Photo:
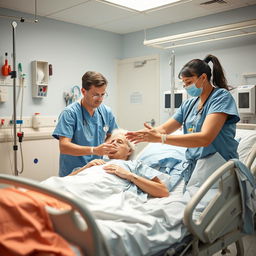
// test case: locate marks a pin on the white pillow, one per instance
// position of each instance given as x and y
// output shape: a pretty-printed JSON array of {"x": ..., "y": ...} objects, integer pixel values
[{"x": 247, "y": 139}]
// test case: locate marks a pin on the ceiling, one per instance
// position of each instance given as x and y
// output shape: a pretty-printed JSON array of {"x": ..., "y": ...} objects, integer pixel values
[{"x": 101, "y": 15}]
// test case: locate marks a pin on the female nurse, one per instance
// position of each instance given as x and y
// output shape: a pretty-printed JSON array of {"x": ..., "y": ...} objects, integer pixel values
[{"x": 208, "y": 118}]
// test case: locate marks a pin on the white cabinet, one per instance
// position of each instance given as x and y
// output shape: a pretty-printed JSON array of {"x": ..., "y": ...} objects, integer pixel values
[{"x": 40, "y": 78}]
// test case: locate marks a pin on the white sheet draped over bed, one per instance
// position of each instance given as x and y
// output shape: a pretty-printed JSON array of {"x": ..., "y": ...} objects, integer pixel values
[
  {"x": 133, "y": 224},
  {"x": 130, "y": 225}
]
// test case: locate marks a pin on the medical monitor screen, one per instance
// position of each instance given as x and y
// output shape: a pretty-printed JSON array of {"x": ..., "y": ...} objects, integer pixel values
[
  {"x": 243, "y": 100},
  {"x": 177, "y": 100}
]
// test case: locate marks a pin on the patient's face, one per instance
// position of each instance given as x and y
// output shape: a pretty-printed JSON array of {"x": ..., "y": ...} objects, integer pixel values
[{"x": 123, "y": 150}]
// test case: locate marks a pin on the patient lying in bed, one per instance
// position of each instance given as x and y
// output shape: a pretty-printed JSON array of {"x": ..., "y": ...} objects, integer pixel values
[
  {"x": 118, "y": 173},
  {"x": 108, "y": 188}
]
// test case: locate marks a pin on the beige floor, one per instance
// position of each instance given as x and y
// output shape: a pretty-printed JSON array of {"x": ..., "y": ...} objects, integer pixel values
[{"x": 249, "y": 247}]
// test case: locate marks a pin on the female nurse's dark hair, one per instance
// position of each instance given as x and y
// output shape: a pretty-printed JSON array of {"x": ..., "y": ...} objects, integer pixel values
[
  {"x": 92, "y": 78},
  {"x": 198, "y": 67}
]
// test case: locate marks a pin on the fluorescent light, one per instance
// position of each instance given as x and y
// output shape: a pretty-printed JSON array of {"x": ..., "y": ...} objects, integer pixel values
[
  {"x": 205, "y": 35},
  {"x": 142, "y": 5}
]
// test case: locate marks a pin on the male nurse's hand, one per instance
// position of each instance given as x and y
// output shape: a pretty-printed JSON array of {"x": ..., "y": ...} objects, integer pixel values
[{"x": 104, "y": 149}]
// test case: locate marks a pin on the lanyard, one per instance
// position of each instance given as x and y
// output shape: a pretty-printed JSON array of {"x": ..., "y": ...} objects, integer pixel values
[
  {"x": 85, "y": 123},
  {"x": 201, "y": 109}
]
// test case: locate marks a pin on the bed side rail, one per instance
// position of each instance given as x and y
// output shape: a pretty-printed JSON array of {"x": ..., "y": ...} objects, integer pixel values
[
  {"x": 227, "y": 202},
  {"x": 250, "y": 161},
  {"x": 88, "y": 237}
]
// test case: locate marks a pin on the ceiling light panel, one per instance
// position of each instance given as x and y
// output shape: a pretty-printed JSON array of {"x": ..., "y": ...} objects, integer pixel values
[{"x": 141, "y": 5}]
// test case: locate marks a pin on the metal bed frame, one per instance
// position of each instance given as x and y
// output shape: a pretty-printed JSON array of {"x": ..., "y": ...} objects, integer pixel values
[
  {"x": 86, "y": 235},
  {"x": 220, "y": 224},
  {"x": 211, "y": 233}
]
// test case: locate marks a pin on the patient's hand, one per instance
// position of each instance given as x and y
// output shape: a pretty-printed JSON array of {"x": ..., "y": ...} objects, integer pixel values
[
  {"x": 118, "y": 171},
  {"x": 88, "y": 165},
  {"x": 93, "y": 163}
]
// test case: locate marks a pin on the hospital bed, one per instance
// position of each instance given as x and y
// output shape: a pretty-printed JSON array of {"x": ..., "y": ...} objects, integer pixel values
[{"x": 209, "y": 230}]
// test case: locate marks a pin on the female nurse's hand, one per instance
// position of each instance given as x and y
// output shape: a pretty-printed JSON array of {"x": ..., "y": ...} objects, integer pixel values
[
  {"x": 104, "y": 149},
  {"x": 118, "y": 171},
  {"x": 149, "y": 134}
]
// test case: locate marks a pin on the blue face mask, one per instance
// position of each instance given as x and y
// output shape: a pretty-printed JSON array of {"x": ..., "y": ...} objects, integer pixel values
[{"x": 193, "y": 91}]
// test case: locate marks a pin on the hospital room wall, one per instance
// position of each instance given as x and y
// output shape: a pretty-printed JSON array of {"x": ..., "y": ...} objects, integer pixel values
[
  {"x": 71, "y": 49},
  {"x": 237, "y": 56}
]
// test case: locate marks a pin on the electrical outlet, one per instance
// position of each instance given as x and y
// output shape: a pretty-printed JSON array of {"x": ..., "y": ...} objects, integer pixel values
[
  {"x": 5, "y": 122},
  {"x": 47, "y": 121},
  {"x": 8, "y": 81},
  {"x": 3, "y": 94},
  {"x": 27, "y": 122}
]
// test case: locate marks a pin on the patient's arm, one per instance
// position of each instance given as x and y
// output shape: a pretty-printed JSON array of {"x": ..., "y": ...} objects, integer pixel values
[
  {"x": 88, "y": 165},
  {"x": 153, "y": 187}
]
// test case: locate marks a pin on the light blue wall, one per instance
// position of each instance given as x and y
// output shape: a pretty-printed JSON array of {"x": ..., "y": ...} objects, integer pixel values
[
  {"x": 73, "y": 49},
  {"x": 237, "y": 56}
]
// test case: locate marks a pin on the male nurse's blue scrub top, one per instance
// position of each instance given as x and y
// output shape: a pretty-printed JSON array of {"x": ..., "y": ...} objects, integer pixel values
[
  {"x": 220, "y": 101},
  {"x": 83, "y": 129}
]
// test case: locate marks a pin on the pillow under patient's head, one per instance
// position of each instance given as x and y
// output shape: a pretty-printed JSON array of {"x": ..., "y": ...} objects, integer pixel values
[{"x": 157, "y": 151}]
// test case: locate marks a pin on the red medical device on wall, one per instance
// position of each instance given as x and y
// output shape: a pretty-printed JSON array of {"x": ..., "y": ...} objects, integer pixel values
[{"x": 6, "y": 69}]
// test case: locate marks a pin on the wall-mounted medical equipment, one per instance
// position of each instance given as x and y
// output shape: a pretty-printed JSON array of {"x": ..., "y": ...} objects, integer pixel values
[
  {"x": 50, "y": 70},
  {"x": 6, "y": 68},
  {"x": 73, "y": 95},
  {"x": 246, "y": 97},
  {"x": 179, "y": 96},
  {"x": 40, "y": 79}
]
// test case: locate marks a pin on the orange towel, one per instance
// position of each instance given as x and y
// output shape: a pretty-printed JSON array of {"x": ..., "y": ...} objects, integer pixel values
[{"x": 25, "y": 227}]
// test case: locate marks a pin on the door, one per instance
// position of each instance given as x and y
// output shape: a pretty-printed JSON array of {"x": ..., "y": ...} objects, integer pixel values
[
  {"x": 138, "y": 92},
  {"x": 138, "y": 88}
]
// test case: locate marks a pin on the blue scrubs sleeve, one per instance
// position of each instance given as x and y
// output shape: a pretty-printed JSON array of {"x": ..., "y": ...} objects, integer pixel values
[
  {"x": 223, "y": 102},
  {"x": 66, "y": 125},
  {"x": 178, "y": 115}
]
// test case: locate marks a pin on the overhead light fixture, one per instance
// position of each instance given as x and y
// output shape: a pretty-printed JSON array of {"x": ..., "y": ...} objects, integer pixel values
[
  {"x": 141, "y": 5},
  {"x": 240, "y": 29}
]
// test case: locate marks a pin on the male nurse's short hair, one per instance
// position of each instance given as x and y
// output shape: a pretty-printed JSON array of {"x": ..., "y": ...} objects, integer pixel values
[{"x": 92, "y": 78}]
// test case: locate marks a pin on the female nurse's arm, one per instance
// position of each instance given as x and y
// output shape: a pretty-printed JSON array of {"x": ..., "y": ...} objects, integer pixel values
[
  {"x": 70, "y": 148},
  {"x": 153, "y": 187},
  {"x": 152, "y": 134},
  {"x": 168, "y": 127},
  {"x": 211, "y": 127}
]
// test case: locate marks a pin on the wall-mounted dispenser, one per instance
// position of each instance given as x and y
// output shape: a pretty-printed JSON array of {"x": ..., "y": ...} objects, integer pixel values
[{"x": 40, "y": 79}]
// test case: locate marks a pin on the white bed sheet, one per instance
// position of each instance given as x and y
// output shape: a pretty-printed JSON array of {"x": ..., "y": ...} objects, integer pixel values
[{"x": 130, "y": 226}]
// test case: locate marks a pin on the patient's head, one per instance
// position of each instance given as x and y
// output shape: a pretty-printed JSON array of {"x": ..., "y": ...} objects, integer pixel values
[{"x": 124, "y": 148}]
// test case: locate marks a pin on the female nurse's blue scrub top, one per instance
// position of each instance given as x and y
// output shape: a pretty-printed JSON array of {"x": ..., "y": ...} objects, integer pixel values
[
  {"x": 220, "y": 101},
  {"x": 83, "y": 129}
]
